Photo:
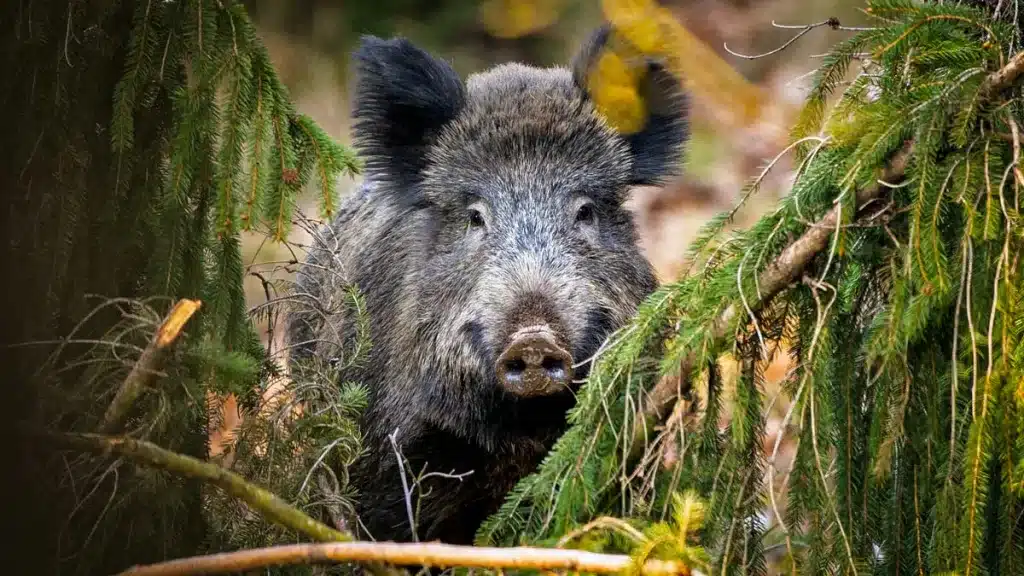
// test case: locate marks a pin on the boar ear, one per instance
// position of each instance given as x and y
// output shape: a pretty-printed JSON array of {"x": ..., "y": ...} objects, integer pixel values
[
  {"x": 657, "y": 142},
  {"x": 403, "y": 98}
]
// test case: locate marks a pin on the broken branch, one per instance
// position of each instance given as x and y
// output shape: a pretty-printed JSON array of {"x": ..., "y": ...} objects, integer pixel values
[
  {"x": 1004, "y": 77},
  {"x": 146, "y": 369}
]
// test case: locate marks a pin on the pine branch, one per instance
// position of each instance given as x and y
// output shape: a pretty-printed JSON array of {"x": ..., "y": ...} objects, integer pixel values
[
  {"x": 789, "y": 265},
  {"x": 447, "y": 555},
  {"x": 781, "y": 272},
  {"x": 147, "y": 368}
]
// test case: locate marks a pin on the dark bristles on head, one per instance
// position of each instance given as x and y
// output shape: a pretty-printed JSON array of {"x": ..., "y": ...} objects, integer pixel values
[{"x": 405, "y": 98}]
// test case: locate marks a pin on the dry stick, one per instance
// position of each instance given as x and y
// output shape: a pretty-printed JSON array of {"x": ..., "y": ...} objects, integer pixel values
[
  {"x": 146, "y": 369},
  {"x": 411, "y": 555}
]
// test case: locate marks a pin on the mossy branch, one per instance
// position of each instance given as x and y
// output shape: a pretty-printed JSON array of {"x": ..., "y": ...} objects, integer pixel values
[
  {"x": 262, "y": 501},
  {"x": 446, "y": 555},
  {"x": 267, "y": 504},
  {"x": 147, "y": 368}
]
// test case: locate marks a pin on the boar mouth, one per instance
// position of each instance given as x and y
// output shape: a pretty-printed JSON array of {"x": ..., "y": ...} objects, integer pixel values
[{"x": 534, "y": 363}]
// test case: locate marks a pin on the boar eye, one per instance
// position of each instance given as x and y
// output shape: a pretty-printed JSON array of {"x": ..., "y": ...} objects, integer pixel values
[
  {"x": 585, "y": 214},
  {"x": 476, "y": 219}
]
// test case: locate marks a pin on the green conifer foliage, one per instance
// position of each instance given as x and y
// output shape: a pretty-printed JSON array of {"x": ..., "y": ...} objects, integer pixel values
[
  {"x": 908, "y": 392},
  {"x": 142, "y": 139}
]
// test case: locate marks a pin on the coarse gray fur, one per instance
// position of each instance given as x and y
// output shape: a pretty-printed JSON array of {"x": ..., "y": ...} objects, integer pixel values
[{"x": 488, "y": 204}]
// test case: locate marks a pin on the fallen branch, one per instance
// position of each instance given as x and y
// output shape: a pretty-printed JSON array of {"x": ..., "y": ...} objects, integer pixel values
[
  {"x": 437, "y": 555},
  {"x": 149, "y": 364},
  {"x": 790, "y": 265}
]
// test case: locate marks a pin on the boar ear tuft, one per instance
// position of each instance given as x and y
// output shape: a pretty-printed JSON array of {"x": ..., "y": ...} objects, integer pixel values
[
  {"x": 641, "y": 99},
  {"x": 403, "y": 98}
]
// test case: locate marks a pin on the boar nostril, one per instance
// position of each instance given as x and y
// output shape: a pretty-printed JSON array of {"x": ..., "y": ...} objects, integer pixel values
[
  {"x": 515, "y": 367},
  {"x": 534, "y": 363},
  {"x": 553, "y": 366}
]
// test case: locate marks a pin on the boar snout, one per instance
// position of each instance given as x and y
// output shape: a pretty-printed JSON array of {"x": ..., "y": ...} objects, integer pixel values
[{"x": 534, "y": 364}]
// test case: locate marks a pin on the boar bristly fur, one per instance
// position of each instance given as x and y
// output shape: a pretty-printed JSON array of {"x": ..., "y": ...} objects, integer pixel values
[{"x": 488, "y": 206}]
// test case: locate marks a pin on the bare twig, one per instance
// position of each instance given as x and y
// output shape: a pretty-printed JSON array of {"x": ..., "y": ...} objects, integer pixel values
[
  {"x": 417, "y": 480},
  {"x": 149, "y": 364},
  {"x": 410, "y": 555},
  {"x": 832, "y": 23},
  {"x": 405, "y": 485}
]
